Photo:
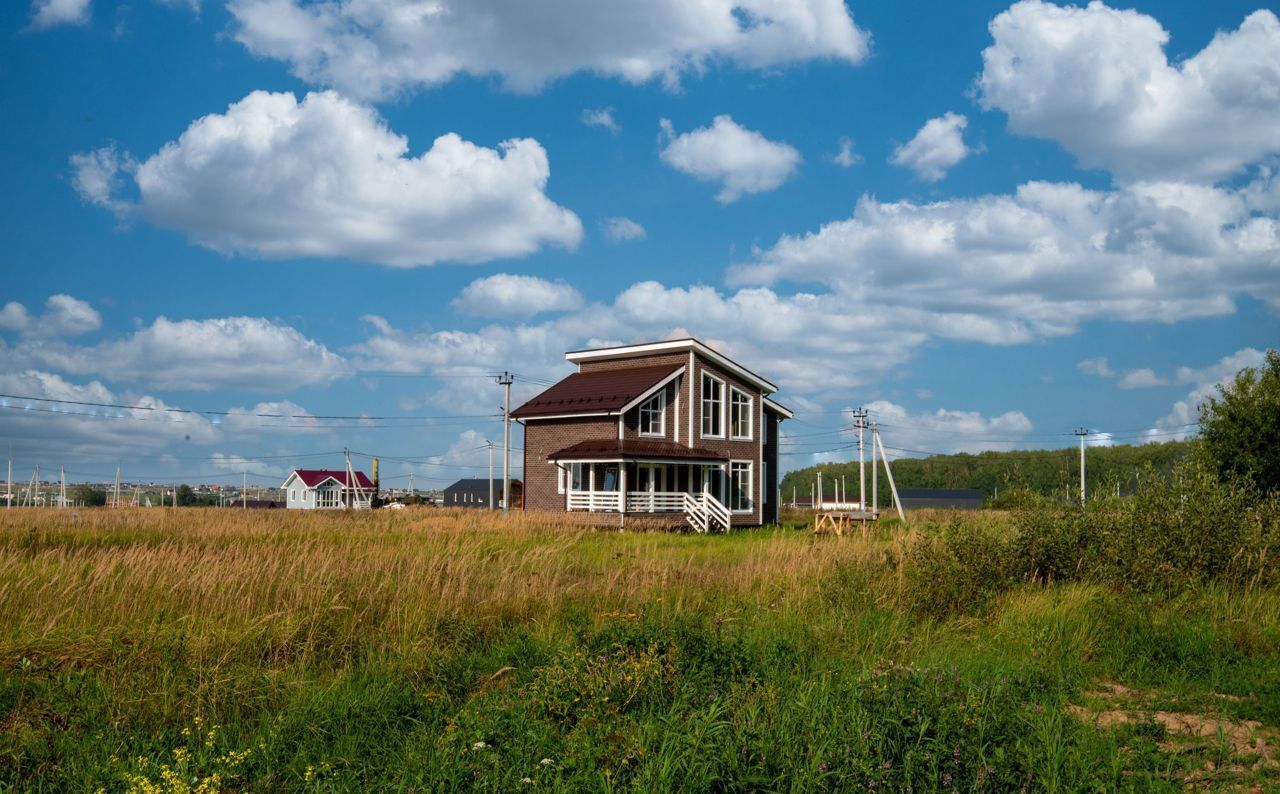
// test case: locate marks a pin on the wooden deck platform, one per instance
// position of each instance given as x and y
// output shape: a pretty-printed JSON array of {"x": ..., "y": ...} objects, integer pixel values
[{"x": 839, "y": 521}]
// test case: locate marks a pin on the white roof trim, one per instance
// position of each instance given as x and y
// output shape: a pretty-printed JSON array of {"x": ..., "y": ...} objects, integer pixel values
[
  {"x": 779, "y": 408},
  {"x": 652, "y": 390},
  {"x": 527, "y": 419},
  {"x": 677, "y": 345}
]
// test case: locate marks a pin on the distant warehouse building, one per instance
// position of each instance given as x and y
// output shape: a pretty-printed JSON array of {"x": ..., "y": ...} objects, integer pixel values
[
  {"x": 475, "y": 493},
  {"x": 940, "y": 498}
]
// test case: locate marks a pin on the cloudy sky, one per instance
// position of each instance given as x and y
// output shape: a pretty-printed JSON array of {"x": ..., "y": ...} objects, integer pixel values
[{"x": 272, "y": 229}]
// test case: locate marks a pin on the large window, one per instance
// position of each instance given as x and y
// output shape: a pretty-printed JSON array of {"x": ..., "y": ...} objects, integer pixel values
[
  {"x": 740, "y": 486},
  {"x": 653, "y": 415},
  {"x": 740, "y": 414},
  {"x": 712, "y": 406}
]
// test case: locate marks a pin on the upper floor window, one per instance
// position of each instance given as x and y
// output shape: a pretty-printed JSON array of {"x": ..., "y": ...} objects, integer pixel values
[
  {"x": 740, "y": 414},
  {"x": 653, "y": 415},
  {"x": 712, "y": 406},
  {"x": 740, "y": 486}
]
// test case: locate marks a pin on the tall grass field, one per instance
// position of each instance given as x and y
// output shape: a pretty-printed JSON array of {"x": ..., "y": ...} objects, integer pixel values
[{"x": 1129, "y": 646}]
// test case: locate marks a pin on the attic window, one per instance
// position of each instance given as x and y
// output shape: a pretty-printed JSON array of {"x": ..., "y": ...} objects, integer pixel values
[{"x": 653, "y": 414}]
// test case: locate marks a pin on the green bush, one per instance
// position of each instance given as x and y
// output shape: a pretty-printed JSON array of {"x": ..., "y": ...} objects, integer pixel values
[
  {"x": 957, "y": 567},
  {"x": 1177, "y": 532}
]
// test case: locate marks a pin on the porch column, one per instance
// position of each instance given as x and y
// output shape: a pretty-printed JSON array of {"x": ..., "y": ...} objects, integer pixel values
[{"x": 622, "y": 483}]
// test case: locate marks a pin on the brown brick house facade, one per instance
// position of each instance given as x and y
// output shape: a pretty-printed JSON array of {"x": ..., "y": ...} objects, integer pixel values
[{"x": 623, "y": 442}]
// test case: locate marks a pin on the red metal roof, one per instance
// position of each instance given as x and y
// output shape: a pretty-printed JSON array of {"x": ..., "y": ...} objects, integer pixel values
[
  {"x": 313, "y": 477},
  {"x": 630, "y": 449},
  {"x": 594, "y": 392}
]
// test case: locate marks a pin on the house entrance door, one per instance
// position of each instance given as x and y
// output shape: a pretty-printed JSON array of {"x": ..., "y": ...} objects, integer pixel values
[{"x": 651, "y": 477}]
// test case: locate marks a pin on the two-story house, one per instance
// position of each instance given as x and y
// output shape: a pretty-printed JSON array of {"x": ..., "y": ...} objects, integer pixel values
[{"x": 659, "y": 434}]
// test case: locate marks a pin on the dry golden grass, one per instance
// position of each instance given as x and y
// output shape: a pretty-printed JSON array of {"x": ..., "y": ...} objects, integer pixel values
[{"x": 286, "y": 584}]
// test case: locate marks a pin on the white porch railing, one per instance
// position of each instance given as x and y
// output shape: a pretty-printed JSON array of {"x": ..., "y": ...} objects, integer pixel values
[
  {"x": 655, "y": 502},
  {"x": 703, "y": 510},
  {"x": 595, "y": 501}
]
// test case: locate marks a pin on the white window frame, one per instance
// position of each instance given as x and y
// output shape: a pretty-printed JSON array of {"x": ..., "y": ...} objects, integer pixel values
[
  {"x": 560, "y": 477},
  {"x": 750, "y": 408},
  {"x": 721, "y": 402},
  {"x": 661, "y": 399},
  {"x": 732, "y": 492}
]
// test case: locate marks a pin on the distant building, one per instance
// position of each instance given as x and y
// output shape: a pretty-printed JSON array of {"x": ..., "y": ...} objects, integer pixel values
[
  {"x": 475, "y": 493},
  {"x": 324, "y": 489},
  {"x": 940, "y": 498}
]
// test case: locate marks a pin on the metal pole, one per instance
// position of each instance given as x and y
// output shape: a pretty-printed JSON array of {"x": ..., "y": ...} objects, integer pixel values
[
  {"x": 62, "y": 488},
  {"x": 244, "y": 491},
  {"x": 875, "y": 439},
  {"x": 875, "y": 477},
  {"x": 505, "y": 379},
  {"x": 8, "y": 488},
  {"x": 862, "y": 472},
  {"x": 1083, "y": 432},
  {"x": 490, "y": 443}
]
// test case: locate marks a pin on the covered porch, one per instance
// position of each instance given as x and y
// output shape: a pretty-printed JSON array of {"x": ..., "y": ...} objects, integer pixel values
[{"x": 639, "y": 479}]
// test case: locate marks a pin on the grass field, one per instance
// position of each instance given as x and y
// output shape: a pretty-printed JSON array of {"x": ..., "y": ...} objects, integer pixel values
[{"x": 421, "y": 650}]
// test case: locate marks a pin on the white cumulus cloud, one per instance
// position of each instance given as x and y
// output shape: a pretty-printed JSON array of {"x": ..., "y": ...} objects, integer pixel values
[
  {"x": 377, "y": 48},
  {"x": 945, "y": 430},
  {"x": 250, "y": 353},
  {"x": 846, "y": 157},
  {"x": 1096, "y": 366},
  {"x": 1098, "y": 81},
  {"x": 508, "y": 295},
  {"x": 49, "y": 431},
  {"x": 1180, "y": 422},
  {"x": 1144, "y": 378},
  {"x": 1010, "y": 268},
  {"x": 619, "y": 229},
  {"x": 937, "y": 147},
  {"x": 742, "y": 161},
  {"x": 51, "y": 13},
  {"x": 63, "y": 316},
  {"x": 601, "y": 117},
  {"x": 279, "y": 178}
]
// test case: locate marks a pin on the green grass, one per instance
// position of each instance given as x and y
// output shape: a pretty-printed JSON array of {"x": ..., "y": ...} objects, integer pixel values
[{"x": 434, "y": 651}]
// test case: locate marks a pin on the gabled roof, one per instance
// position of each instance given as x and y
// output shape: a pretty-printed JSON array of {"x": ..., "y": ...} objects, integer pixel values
[
  {"x": 940, "y": 493},
  {"x": 606, "y": 392},
  {"x": 313, "y": 477},
  {"x": 479, "y": 484},
  {"x": 633, "y": 449},
  {"x": 672, "y": 346},
  {"x": 779, "y": 409}
]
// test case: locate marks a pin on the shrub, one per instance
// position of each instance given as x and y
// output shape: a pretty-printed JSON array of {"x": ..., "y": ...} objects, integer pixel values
[{"x": 957, "y": 566}]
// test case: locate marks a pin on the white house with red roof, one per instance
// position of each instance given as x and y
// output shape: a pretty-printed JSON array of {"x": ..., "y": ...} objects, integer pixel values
[{"x": 327, "y": 489}]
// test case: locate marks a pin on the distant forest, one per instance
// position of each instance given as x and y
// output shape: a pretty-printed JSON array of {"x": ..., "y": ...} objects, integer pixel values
[{"x": 1045, "y": 471}]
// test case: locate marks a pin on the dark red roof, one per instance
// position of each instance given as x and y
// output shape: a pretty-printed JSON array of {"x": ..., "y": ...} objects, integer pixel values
[
  {"x": 313, "y": 477},
  {"x": 594, "y": 392},
  {"x": 612, "y": 448}
]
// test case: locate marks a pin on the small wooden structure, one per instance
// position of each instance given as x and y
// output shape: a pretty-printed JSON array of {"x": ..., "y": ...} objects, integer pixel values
[{"x": 839, "y": 521}]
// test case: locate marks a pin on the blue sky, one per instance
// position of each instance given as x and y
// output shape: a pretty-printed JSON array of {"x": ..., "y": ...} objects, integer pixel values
[{"x": 990, "y": 223}]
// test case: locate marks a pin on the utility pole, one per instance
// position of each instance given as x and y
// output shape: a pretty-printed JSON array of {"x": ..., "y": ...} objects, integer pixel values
[
  {"x": 1083, "y": 432},
  {"x": 505, "y": 380},
  {"x": 860, "y": 422},
  {"x": 62, "y": 489},
  {"x": 875, "y": 477},
  {"x": 244, "y": 491},
  {"x": 490, "y": 445},
  {"x": 875, "y": 439},
  {"x": 8, "y": 486},
  {"x": 115, "y": 494}
]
